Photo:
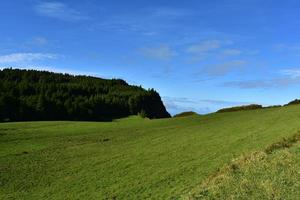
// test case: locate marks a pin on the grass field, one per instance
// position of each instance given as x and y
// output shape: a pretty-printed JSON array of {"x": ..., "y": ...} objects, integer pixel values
[
  {"x": 131, "y": 158},
  {"x": 256, "y": 176}
]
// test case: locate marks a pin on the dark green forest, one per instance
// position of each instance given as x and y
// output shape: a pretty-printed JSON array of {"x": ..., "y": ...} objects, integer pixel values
[{"x": 28, "y": 95}]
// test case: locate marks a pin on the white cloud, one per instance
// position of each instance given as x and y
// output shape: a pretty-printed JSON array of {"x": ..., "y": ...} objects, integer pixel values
[
  {"x": 212, "y": 48},
  {"x": 287, "y": 48},
  {"x": 230, "y": 52},
  {"x": 223, "y": 102},
  {"x": 294, "y": 73},
  {"x": 202, "y": 50},
  {"x": 171, "y": 12},
  {"x": 204, "y": 47},
  {"x": 248, "y": 84},
  {"x": 280, "y": 82},
  {"x": 288, "y": 77},
  {"x": 59, "y": 10},
  {"x": 176, "y": 105},
  {"x": 223, "y": 68},
  {"x": 39, "y": 41},
  {"x": 179, "y": 104},
  {"x": 25, "y": 57},
  {"x": 162, "y": 52}
]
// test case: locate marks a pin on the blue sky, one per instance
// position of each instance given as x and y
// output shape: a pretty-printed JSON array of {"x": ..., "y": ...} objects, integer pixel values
[{"x": 199, "y": 55}]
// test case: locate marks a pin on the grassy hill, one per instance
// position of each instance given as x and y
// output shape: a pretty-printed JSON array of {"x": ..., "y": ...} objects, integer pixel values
[
  {"x": 185, "y": 114},
  {"x": 133, "y": 158},
  {"x": 259, "y": 175}
]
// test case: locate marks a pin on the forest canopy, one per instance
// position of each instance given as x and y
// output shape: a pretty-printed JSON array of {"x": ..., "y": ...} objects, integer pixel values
[{"x": 28, "y": 95}]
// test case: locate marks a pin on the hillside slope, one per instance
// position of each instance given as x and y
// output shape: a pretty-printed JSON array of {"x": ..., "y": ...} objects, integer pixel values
[
  {"x": 259, "y": 175},
  {"x": 131, "y": 159},
  {"x": 185, "y": 114},
  {"x": 39, "y": 95}
]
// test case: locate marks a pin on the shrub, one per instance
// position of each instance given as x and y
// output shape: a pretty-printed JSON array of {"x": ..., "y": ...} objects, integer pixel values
[
  {"x": 274, "y": 106},
  {"x": 142, "y": 114}
]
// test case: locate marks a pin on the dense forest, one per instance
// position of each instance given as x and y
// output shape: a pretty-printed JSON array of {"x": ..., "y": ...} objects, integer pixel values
[{"x": 27, "y": 95}]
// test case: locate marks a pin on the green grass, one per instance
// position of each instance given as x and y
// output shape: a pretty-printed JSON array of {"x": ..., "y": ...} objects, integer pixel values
[
  {"x": 260, "y": 175},
  {"x": 131, "y": 158}
]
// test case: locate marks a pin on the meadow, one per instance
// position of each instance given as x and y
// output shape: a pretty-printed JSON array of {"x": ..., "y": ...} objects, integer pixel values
[
  {"x": 132, "y": 158},
  {"x": 259, "y": 175}
]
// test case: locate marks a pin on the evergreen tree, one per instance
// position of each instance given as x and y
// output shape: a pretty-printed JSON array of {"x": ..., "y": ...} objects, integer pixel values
[{"x": 40, "y": 95}]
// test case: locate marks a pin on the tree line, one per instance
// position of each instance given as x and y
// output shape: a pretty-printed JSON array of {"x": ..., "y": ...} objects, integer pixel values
[{"x": 28, "y": 95}]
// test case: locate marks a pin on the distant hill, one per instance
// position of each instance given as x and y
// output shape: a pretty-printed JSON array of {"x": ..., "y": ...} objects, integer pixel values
[
  {"x": 239, "y": 108},
  {"x": 41, "y": 95},
  {"x": 294, "y": 102},
  {"x": 256, "y": 106},
  {"x": 185, "y": 114}
]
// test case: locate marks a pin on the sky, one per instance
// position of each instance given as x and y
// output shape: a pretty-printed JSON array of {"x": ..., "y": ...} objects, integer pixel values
[{"x": 199, "y": 55}]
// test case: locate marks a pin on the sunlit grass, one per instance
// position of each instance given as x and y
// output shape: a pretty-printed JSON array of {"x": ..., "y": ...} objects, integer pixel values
[
  {"x": 259, "y": 175},
  {"x": 131, "y": 158}
]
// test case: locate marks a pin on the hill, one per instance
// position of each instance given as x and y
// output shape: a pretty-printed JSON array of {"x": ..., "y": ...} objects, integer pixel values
[
  {"x": 269, "y": 174},
  {"x": 240, "y": 108},
  {"x": 185, "y": 114},
  {"x": 39, "y": 95},
  {"x": 135, "y": 158},
  {"x": 294, "y": 102}
]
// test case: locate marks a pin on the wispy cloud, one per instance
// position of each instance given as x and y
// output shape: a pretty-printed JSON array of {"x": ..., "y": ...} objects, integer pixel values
[
  {"x": 126, "y": 24},
  {"x": 222, "y": 68},
  {"x": 38, "y": 41},
  {"x": 25, "y": 57},
  {"x": 146, "y": 22},
  {"x": 293, "y": 73},
  {"x": 170, "y": 12},
  {"x": 180, "y": 99},
  {"x": 223, "y": 102},
  {"x": 287, "y": 48},
  {"x": 290, "y": 77},
  {"x": 250, "y": 84},
  {"x": 203, "y": 47},
  {"x": 263, "y": 84},
  {"x": 162, "y": 52},
  {"x": 180, "y": 104},
  {"x": 230, "y": 52},
  {"x": 59, "y": 11}
]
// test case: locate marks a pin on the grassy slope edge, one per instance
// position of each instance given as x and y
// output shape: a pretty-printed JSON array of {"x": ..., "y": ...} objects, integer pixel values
[
  {"x": 270, "y": 174},
  {"x": 131, "y": 159},
  {"x": 185, "y": 114}
]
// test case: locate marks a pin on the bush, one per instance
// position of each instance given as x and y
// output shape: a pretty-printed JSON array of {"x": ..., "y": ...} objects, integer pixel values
[
  {"x": 274, "y": 106},
  {"x": 142, "y": 114}
]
